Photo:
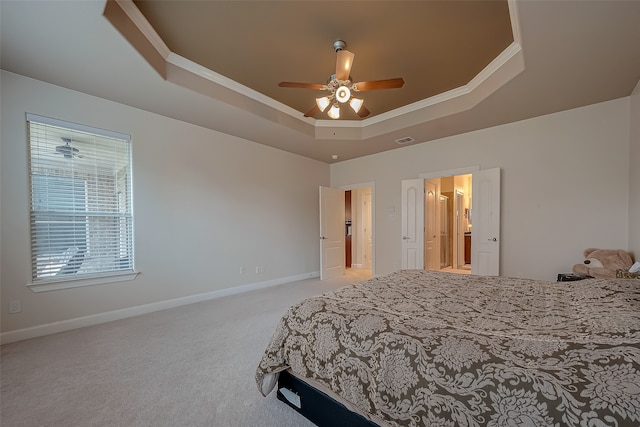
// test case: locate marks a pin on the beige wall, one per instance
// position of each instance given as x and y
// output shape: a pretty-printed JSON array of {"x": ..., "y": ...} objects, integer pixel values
[
  {"x": 634, "y": 175},
  {"x": 205, "y": 204},
  {"x": 565, "y": 185}
]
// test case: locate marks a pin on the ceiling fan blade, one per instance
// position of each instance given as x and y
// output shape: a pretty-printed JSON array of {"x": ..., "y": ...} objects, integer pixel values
[
  {"x": 363, "y": 112},
  {"x": 312, "y": 112},
  {"x": 343, "y": 64},
  {"x": 380, "y": 84},
  {"x": 316, "y": 86}
]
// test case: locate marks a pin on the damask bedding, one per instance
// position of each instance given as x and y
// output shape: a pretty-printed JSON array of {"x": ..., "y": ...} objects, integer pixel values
[{"x": 423, "y": 348}]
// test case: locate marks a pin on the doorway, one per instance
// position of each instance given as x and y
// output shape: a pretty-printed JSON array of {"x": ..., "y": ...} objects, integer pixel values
[
  {"x": 359, "y": 230},
  {"x": 448, "y": 223},
  {"x": 420, "y": 220},
  {"x": 347, "y": 224}
]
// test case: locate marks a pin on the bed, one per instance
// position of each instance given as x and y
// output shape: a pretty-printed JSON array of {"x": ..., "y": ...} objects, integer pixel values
[{"x": 422, "y": 348}]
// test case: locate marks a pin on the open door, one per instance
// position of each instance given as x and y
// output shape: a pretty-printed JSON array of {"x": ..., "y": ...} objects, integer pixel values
[
  {"x": 332, "y": 238},
  {"x": 458, "y": 257},
  {"x": 431, "y": 221},
  {"x": 485, "y": 241},
  {"x": 413, "y": 224},
  {"x": 367, "y": 230}
]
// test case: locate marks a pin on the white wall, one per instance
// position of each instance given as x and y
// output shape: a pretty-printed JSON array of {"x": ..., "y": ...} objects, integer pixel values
[
  {"x": 565, "y": 185},
  {"x": 205, "y": 204},
  {"x": 634, "y": 175}
]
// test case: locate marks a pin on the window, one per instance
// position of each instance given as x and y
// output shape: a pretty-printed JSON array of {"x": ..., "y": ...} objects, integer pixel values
[{"x": 81, "y": 203}]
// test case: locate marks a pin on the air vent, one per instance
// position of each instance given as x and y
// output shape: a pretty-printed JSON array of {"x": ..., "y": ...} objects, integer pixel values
[{"x": 405, "y": 140}]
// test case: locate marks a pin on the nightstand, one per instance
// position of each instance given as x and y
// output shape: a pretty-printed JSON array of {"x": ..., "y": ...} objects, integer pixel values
[{"x": 571, "y": 277}]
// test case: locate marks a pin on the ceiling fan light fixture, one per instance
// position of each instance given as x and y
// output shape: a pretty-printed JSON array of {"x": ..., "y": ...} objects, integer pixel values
[
  {"x": 322, "y": 103},
  {"x": 334, "y": 112},
  {"x": 340, "y": 85},
  {"x": 343, "y": 94},
  {"x": 356, "y": 104}
]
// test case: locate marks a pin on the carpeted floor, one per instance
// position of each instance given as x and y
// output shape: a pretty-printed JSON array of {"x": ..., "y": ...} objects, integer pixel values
[{"x": 188, "y": 366}]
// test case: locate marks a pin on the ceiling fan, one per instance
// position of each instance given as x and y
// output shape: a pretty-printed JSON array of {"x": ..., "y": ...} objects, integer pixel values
[
  {"x": 67, "y": 150},
  {"x": 341, "y": 87}
]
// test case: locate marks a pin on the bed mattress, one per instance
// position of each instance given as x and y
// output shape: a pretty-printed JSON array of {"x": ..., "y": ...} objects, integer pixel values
[{"x": 430, "y": 348}]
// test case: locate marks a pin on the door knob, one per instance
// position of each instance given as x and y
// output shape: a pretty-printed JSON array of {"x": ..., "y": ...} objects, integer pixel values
[
  {"x": 493, "y": 240},
  {"x": 405, "y": 238},
  {"x": 323, "y": 238}
]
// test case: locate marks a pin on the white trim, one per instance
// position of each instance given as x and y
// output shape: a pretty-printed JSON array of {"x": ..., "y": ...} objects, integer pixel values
[
  {"x": 54, "y": 285},
  {"x": 78, "y": 127},
  {"x": 450, "y": 172},
  {"x": 468, "y": 89},
  {"x": 225, "y": 82},
  {"x": 508, "y": 64},
  {"x": 109, "y": 316},
  {"x": 370, "y": 184},
  {"x": 142, "y": 24},
  {"x": 515, "y": 21}
]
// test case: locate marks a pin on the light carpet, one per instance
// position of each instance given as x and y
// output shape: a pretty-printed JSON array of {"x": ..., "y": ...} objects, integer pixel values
[{"x": 187, "y": 366}]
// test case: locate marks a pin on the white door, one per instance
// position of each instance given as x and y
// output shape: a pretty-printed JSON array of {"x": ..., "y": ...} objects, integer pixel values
[
  {"x": 431, "y": 219},
  {"x": 332, "y": 233},
  {"x": 413, "y": 224},
  {"x": 485, "y": 234},
  {"x": 367, "y": 232},
  {"x": 459, "y": 233}
]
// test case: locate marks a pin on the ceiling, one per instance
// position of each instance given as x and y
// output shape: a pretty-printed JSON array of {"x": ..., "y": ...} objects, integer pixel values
[
  {"x": 436, "y": 46},
  {"x": 466, "y": 65}
]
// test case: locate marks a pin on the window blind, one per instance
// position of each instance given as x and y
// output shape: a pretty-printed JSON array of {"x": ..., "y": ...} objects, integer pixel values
[{"x": 81, "y": 215}]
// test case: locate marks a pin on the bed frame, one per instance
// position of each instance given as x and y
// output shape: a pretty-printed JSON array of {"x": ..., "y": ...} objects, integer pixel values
[{"x": 315, "y": 405}]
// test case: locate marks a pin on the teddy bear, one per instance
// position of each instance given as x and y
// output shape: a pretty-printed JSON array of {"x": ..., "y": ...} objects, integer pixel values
[{"x": 603, "y": 263}]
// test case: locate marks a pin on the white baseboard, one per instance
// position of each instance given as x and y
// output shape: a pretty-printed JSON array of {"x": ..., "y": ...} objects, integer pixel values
[{"x": 109, "y": 316}]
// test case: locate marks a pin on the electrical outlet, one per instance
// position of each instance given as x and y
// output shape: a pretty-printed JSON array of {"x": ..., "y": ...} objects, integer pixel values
[
  {"x": 243, "y": 269},
  {"x": 15, "y": 306},
  {"x": 259, "y": 269}
]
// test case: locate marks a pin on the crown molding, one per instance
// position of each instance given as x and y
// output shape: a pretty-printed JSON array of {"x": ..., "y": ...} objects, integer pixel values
[{"x": 128, "y": 19}]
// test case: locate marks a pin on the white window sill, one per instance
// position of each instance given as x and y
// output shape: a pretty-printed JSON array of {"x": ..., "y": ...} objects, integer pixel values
[{"x": 67, "y": 283}]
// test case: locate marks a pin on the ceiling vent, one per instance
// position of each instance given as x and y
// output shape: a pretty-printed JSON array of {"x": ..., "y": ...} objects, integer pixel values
[{"x": 405, "y": 140}]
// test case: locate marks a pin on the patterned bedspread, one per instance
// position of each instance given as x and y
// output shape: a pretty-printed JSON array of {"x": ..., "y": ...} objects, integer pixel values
[{"x": 438, "y": 349}]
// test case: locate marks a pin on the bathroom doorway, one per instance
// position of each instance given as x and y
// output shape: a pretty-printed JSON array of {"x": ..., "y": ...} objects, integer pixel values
[
  {"x": 448, "y": 242},
  {"x": 421, "y": 222}
]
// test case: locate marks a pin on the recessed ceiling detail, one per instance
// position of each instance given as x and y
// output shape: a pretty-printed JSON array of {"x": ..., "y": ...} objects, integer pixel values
[
  {"x": 451, "y": 68},
  {"x": 585, "y": 53}
]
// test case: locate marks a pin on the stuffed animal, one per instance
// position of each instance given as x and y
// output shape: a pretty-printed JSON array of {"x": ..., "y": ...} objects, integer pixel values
[{"x": 603, "y": 263}]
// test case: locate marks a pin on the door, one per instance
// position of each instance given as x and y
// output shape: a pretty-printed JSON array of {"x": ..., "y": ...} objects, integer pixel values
[
  {"x": 332, "y": 238},
  {"x": 445, "y": 235},
  {"x": 412, "y": 224},
  {"x": 367, "y": 231},
  {"x": 431, "y": 219},
  {"x": 485, "y": 240},
  {"x": 459, "y": 232}
]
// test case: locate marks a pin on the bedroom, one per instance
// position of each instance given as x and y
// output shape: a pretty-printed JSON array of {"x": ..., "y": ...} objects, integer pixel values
[{"x": 207, "y": 203}]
